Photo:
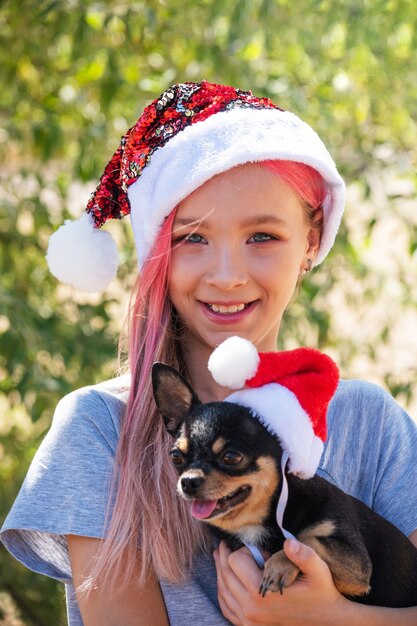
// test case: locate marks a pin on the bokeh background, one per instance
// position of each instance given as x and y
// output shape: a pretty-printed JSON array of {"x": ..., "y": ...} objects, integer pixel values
[{"x": 74, "y": 75}]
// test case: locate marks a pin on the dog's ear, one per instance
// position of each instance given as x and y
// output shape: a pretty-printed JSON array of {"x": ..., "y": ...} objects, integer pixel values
[{"x": 173, "y": 395}]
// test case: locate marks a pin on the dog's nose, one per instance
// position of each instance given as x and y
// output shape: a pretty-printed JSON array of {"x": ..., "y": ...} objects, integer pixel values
[{"x": 191, "y": 484}]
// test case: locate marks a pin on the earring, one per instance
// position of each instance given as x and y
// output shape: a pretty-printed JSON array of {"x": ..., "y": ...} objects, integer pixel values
[{"x": 309, "y": 265}]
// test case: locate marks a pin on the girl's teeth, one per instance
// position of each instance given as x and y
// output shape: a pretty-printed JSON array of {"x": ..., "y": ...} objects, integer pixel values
[{"x": 221, "y": 308}]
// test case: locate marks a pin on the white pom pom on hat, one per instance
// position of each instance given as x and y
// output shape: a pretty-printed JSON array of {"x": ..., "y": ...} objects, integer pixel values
[
  {"x": 289, "y": 392},
  {"x": 193, "y": 132},
  {"x": 83, "y": 256},
  {"x": 233, "y": 362}
]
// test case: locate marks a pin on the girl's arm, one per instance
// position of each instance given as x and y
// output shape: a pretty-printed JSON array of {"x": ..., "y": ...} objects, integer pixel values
[
  {"x": 134, "y": 606},
  {"x": 312, "y": 600}
]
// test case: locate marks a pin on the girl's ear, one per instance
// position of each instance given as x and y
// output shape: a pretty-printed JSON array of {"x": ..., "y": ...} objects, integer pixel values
[
  {"x": 314, "y": 235},
  {"x": 173, "y": 395}
]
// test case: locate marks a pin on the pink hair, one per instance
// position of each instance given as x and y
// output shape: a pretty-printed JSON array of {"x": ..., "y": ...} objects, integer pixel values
[
  {"x": 149, "y": 520},
  {"x": 305, "y": 180},
  {"x": 150, "y": 524}
]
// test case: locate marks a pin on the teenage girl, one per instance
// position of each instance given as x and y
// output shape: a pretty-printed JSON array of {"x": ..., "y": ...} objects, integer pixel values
[{"x": 232, "y": 200}]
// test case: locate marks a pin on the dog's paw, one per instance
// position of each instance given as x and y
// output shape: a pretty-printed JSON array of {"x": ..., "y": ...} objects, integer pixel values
[{"x": 279, "y": 572}]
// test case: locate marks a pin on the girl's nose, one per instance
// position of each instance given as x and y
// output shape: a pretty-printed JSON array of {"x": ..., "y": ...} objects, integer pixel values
[{"x": 227, "y": 271}]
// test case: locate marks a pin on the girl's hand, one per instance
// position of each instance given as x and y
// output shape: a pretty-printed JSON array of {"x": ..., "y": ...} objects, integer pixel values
[{"x": 312, "y": 600}]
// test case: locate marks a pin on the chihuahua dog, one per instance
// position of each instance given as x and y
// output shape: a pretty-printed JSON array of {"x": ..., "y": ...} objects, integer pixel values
[{"x": 229, "y": 470}]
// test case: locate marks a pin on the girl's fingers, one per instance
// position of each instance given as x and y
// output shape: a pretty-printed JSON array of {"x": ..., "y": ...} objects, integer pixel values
[
  {"x": 228, "y": 604},
  {"x": 238, "y": 579},
  {"x": 244, "y": 569},
  {"x": 307, "y": 560}
]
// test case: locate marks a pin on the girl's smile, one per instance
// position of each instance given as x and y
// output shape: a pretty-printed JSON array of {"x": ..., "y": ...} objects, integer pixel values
[
  {"x": 227, "y": 312},
  {"x": 240, "y": 242}
]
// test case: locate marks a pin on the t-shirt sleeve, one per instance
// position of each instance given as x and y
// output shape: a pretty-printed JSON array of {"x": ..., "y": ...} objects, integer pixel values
[
  {"x": 371, "y": 452},
  {"x": 66, "y": 490}
]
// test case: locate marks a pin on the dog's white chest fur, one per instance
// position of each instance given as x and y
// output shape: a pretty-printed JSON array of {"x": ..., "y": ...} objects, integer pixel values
[{"x": 254, "y": 535}]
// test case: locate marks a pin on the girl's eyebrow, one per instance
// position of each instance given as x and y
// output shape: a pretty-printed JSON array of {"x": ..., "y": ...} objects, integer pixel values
[
  {"x": 255, "y": 220},
  {"x": 187, "y": 221},
  {"x": 263, "y": 218},
  {"x": 192, "y": 221}
]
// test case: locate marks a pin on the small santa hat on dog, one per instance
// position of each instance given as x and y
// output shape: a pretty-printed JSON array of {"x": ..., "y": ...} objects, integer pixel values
[
  {"x": 289, "y": 392},
  {"x": 192, "y": 132}
]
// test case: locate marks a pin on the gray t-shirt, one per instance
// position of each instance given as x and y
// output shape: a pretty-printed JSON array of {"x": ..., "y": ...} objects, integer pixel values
[{"x": 370, "y": 453}]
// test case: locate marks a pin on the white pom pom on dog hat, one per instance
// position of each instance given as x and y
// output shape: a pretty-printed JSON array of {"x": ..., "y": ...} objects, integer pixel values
[
  {"x": 192, "y": 132},
  {"x": 234, "y": 362},
  {"x": 288, "y": 391}
]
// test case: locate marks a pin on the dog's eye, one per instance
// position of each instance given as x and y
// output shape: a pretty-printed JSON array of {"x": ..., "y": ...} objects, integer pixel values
[
  {"x": 176, "y": 457},
  {"x": 232, "y": 458}
]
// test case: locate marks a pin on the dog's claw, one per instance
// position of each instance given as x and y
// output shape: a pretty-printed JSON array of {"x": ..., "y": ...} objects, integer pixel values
[
  {"x": 279, "y": 573},
  {"x": 264, "y": 588}
]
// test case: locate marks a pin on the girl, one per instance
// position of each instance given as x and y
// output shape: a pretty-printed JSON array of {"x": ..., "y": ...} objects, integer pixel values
[{"x": 232, "y": 200}]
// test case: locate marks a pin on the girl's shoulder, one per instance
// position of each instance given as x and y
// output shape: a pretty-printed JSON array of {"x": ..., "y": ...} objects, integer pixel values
[
  {"x": 365, "y": 405},
  {"x": 112, "y": 390},
  {"x": 359, "y": 391},
  {"x": 102, "y": 404},
  {"x": 363, "y": 414}
]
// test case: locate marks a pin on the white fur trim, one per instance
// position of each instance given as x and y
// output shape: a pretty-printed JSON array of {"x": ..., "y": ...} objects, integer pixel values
[
  {"x": 279, "y": 410},
  {"x": 217, "y": 144},
  {"x": 233, "y": 362},
  {"x": 83, "y": 256}
]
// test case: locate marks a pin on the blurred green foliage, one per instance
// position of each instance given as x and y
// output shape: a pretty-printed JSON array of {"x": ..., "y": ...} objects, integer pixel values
[{"x": 75, "y": 74}]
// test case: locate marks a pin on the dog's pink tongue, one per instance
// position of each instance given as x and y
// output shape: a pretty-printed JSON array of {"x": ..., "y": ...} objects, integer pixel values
[{"x": 200, "y": 509}]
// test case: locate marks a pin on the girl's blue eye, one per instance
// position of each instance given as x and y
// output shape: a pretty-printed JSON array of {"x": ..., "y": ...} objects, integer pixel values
[
  {"x": 260, "y": 237},
  {"x": 194, "y": 238},
  {"x": 190, "y": 238}
]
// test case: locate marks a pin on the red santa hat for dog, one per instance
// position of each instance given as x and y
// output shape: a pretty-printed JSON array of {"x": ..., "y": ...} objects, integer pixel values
[{"x": 289, "y": 392}]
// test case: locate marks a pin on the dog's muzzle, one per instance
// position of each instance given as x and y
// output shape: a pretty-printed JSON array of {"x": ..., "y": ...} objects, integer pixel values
[{"x": 191, "y": 483}]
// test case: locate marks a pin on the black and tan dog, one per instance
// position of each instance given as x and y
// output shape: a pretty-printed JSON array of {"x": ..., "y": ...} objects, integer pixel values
[{"x": 229, "y": 470}]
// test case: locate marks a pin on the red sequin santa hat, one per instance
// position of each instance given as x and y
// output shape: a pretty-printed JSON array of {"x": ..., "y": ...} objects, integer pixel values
[
  {"x": 188, "y": 135},
  {"x": 289, "y": 392}
]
